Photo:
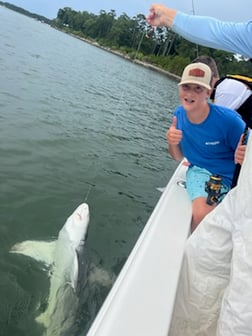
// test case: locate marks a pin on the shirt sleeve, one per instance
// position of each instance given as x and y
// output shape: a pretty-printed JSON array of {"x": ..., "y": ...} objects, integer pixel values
[{"x": 213, "y": 33}]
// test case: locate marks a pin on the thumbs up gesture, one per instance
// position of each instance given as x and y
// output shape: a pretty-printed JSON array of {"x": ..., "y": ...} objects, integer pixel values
[
  {"x": 240, "y": 151},
  {"x": 174, "y": 135}
]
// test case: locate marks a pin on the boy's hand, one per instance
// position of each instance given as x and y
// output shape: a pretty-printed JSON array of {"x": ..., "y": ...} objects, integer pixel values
[{"x": 174, "y": 135}]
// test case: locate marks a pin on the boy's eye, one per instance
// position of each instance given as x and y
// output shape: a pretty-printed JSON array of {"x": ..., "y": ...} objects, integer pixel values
[
  {"x": 198, "y": 89},
  {"x": 194, "y": 88},
  {"x": 185, "y": 87}
]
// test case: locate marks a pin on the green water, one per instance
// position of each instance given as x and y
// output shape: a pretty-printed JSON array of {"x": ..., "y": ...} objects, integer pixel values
[{"x": 76, "y": 124}]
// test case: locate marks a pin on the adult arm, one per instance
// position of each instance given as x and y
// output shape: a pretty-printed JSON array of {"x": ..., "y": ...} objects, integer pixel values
[
  {"x": 207, "y": 31},
  {"x": 213, "y": 33}
]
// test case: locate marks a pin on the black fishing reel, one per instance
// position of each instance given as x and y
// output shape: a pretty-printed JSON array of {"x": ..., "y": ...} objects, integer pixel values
[{"x": 213, "y": 188}]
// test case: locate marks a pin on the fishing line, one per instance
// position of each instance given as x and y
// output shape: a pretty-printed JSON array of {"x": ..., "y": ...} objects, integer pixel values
[
  {"x": 116, "y": 111},
  {"x": 92, "y": 185},
  {"x": 122, "y": 97},
  {"x": 112, "y": 124}
]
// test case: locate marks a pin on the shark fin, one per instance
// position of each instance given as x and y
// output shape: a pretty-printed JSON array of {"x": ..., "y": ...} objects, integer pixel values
[{"x": 39, "y": 250}]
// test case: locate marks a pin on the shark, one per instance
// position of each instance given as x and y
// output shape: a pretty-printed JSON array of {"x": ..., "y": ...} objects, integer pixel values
[{"x": 61, "y": 257}]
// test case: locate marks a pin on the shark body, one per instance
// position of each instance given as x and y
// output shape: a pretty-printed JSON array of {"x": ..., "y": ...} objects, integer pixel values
[{"x": 61, "y": 256}]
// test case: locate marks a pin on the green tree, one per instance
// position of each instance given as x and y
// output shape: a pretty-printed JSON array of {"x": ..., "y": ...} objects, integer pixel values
[{"x": 134, "y": 36}]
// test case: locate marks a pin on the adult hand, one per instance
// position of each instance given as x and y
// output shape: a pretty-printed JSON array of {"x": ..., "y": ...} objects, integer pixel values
[
  {"x": 160, "y": 16},
  {"x": 174, "y": 135},
  {"x": 240, "y": 151}
]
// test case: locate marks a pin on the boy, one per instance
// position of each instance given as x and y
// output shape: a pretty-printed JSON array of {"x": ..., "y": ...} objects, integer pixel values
[{"x": 206, "y": 134}]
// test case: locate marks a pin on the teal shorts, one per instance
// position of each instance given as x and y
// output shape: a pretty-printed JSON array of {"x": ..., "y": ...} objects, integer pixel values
[{"x": 196, "y": 179}]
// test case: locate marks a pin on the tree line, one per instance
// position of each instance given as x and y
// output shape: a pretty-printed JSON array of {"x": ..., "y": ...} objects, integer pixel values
[
  {"x": 135, "y": 38},
  {"x": 25, "y": 12}
]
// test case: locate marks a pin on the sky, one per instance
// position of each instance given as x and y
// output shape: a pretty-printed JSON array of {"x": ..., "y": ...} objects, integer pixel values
[{"x": 221, "y": 9}]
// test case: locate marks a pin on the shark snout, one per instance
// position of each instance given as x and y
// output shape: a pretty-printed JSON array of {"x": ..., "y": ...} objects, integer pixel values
[
  {"x": 82, "y": 212},
  {"x": 76, "y": 226}
]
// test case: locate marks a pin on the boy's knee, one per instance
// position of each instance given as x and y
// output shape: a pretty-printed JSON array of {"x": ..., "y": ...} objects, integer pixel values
[{"x": 199, "y": 210}]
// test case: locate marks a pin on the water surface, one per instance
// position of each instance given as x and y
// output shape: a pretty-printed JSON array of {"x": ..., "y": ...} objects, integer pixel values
[{"x": 76, "y": 124}]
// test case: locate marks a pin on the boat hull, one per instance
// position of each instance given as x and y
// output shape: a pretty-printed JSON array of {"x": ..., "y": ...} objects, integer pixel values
[{"x": 142, "y": 298}]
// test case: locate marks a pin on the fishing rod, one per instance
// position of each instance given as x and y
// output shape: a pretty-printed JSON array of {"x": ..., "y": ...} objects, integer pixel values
[{"x": 197, "y": 46}]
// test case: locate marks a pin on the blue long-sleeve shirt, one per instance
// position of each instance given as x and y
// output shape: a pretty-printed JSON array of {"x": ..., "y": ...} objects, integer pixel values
[{"x": 213, "y": 33}]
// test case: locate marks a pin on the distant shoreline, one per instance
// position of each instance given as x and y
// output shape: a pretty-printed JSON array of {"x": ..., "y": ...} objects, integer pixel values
[{"x": 145, "y": 64}]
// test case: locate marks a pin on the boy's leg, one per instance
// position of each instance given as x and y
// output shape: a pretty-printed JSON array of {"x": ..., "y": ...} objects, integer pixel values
[
  {"x": 200, "y": 209},
  {"x": 196, "y": 179}
]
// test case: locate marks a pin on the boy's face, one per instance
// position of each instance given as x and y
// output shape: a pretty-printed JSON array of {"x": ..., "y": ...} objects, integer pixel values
[{"x": 193, "y": 97}]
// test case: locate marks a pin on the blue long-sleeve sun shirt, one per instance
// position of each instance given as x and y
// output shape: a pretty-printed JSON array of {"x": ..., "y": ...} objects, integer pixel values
[{"x": 213, "y": 33}]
